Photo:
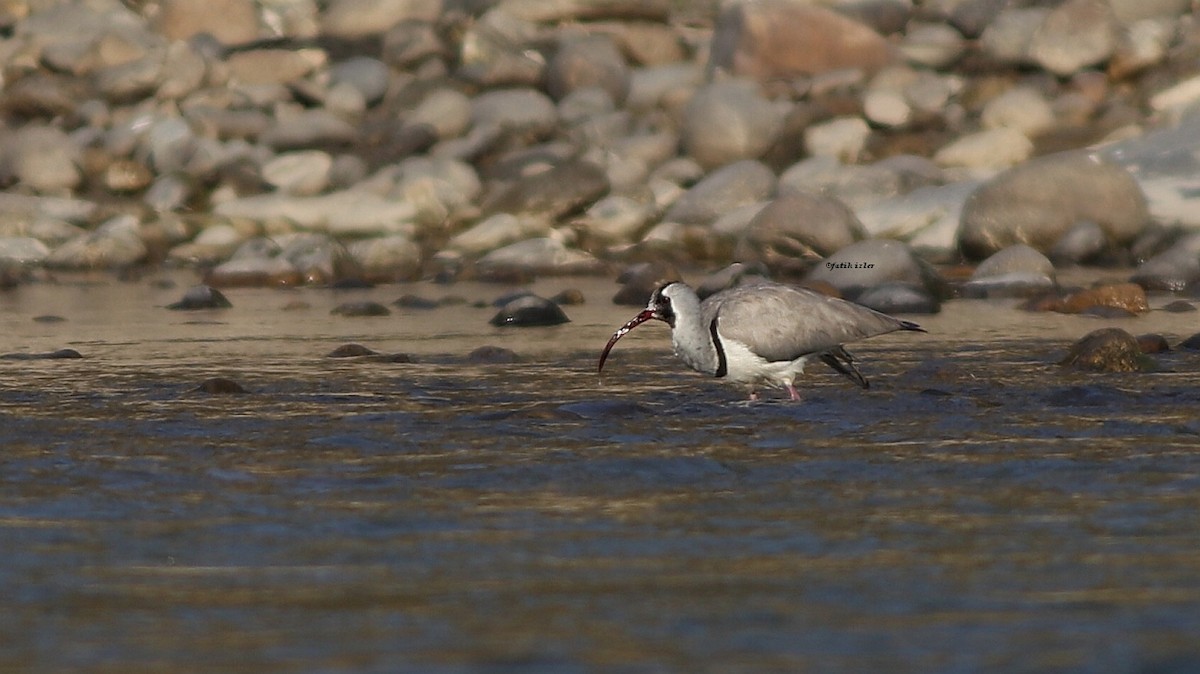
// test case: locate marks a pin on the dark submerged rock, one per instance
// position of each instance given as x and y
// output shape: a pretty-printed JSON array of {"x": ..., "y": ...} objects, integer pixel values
[
  {"x": 639, "y": 281},
  {"x": 219, "y": 385},
  {"x": 410, "y": 301},
  {"x": 1153, "y": 343},
  {"x": 492, "y": 354},
  {"x": 357, "y": 309},
  {"x": 351, "y": 351},
  {"x": 529, "y": 311},
  {"x": 1191, "y": 343},
  {"x": 1179, "y": 307},
  {"x": 568, "y": 297},
  {"x": 201, "y": 297},
  {"x": 61, "y": 354},
  {"x": 1108, "y": 350},
  {"x": 900, "y": 298}
]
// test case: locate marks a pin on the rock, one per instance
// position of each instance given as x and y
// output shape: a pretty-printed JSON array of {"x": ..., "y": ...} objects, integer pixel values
[
  {"x": 410, "y": 301},
  {"x": 616, "y": 219},
  {"x": 387, "y": 259},
  {"x": 537, "y": 256},
  {"x": 1142, "y": 45},
  {"x": 43, "y": 158},
  {"x": 1008, "y": 34},
  {"x": 550, "y": 195},
  {"x": 446, "y": 111},
  {"x": 40, "y": 94},
  {"x": 733, "y": 275},
  {"x": 1127, "y": 297},
  {"x": 1108, "y": 350},
  {"x": 1015, "y": 271},
  {"x": 201, "y": 297},
  {"x": 113, "y": 245},
  {"x": 1084, "y": 241},
  {"x": 529, "y": 311},
  {"x": 729, "y": 121},
  {"x": 524, "y": 111},
  {"x": 1021, "y": 108},
  {"x": 552, "y": 11},
  {"x": 219, "y": 386},
  {"x": 351, "y": 351},
  {"x": 1153, "y": 343},
  {"x": 368, "y": 76},
  {"x": 353, "y": 19},
  {"x": 256, "y": 262},
  {"x": 496, "y": 231},
  {"x": 639, "y": 281},
  {"x": 22, "y": 250},
  {"x": 592, "y": 61},
  {"x": 899, "y": 298},
  {"x": 229, "y": 22},
  {"x": 776, "y": 39},
  {"x": 360, "y": 309},
  {"x": 991, "y": 149},
  {"x": 300, "y": 173},
  {"x": 1074, "y": 35},
  {"x": 795, "y": 230},
  {"x": 867, "y": 264},
  {"x": 61, "y": 354},
  {"x": 1191, "y": 343},
  {"x": 843, "y": 138},
  {"x": 302, "y": 129},
  {"x": 492, "y": 354},
  {"x": 1178, "y": 307},
  {"x": 499, "y": 50},
  {"x": 926, "y": 218},
  {"x": 1172, "y": 269},
  {"x": 408, "y": 43},
  {"x": 933, "y": 45},
  {"x": 568, "y": 297},
  {"x": 738, "y": 184},
  {"x": 353, "y": 212},
  {"x": 320, "y": 259},
  {"x": 1039, "y": 201}
]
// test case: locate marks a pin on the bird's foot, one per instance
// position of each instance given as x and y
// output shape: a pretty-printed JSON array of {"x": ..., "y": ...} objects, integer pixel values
[
  {"x": 793, "y": 393},
  {"x": 754, "y": 396}
]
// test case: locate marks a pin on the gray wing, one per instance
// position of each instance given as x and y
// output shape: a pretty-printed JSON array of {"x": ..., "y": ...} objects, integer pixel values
[{"x": 780, "y": 322}]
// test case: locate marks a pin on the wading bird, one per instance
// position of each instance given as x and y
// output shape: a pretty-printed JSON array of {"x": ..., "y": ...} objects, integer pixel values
[{"x": 761, "y": 334}]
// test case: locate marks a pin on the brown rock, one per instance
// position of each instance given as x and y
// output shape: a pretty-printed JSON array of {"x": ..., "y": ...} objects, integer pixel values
[
  {"x": 779, "y": 39},
  {"x": 1153, "y": 343},
  {"x": 231, "y": 22},
  {"x": 1127, "y": 296},
  {"x": 1108, "y": 350}
]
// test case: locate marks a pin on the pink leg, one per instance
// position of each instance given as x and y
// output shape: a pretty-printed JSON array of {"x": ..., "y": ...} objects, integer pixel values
[
  {"x": 754, "y": 395},
  {"x": 792, "y": 392}
]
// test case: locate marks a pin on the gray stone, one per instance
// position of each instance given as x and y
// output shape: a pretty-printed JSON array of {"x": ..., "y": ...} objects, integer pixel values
[
  {"x": 793, "y": 231},
  {"x": 113, "y": 245},
  {"x": 1037, "y": 202},
  {"x": 900, "y": 298},
  {"x": 538, "y": 256},
  {"x": 367, "y": 75},
  {"x": 351, "y": 19},
  {"x": 446, "y": 111},
  {"x": 300, "y": 173},
  {"x": 497, "y": 231},
  {"x": 409, "y": 42},
  {"x": 560, "y": 191},
  {"x": 300, "y": 129},
  {"x": 201, "y": 297},
  {"x": 990, "y": 149},
  {"x": 43, "y": 158},
  {"x": 526, "y": 111},
  {"x": 616, "y": 219},
  {"x": 729, "y": 121},
  {"x": 496, "y": 51},
  {"x": 867, "y": 264},
  {"x": 1020, "y": 108},
  {"x": 738, "y": 184},
  {"x": 529, "y": 311},
  {"x": 387, "y": 259},
  {"x": 587, "y": 62},
  {"x": 1008, "y": 36},
  {"x": 230, "y": 22},
  {"x": 22, "y": 250},
  {"x": 354, "y": 212},
  {"x": 1016, "y": 271},
  {"x": 843, "y": 138},
  {"x": 1081, "y": 243},
  {"x": 551, "y": 11},
  {"x": 1173, "y": 269},
  {"x": 1074, "y": 35},
  {"x": 933, "y": 45}
]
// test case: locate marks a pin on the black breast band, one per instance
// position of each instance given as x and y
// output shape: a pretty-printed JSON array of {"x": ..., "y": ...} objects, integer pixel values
[{"x": 722, "y": 366}]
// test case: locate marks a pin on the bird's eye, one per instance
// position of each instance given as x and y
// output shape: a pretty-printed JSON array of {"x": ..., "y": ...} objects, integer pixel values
[{"x": 662, "y": 307}]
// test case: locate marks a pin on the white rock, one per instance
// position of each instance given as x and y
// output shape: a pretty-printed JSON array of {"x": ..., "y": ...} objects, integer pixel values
[
  {"x": 301, "y": 173},
  {"x": 1019, "y": 108},
  {"x": 843, "y": 138},
  {"x": 990, "y": 149},
  {"x": 496, "y": 231}
]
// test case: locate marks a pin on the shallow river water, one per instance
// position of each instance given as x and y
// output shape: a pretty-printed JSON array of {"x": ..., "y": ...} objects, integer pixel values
[{"x": 977, "y": 510}]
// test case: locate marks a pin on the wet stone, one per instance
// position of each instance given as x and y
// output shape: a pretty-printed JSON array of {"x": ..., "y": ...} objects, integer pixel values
[
  {"x": 360, "y": 309},
  {"x": 1179, "y": 307},
  {"x": 900, "y": 298},
  {"x": 219, "y": 386},
  {"x": 1108, "y": 350},
  {"x": 1191, "y": 343},
  {"x": 201, "y": 297},
  {"x": 639, "y": 281},
  {"x": 1153, "y": 343},
  {"x": 351, "y": 351},
  {"x": 1127, "y": 297},
  {"x": 568, "y": 297},
  {"x": 492, "y": 354},
  {"x": 410, "y": 301},
  {"x": 49, "y": 318},
  {"x": 529, "y": 311},
  {"x": 61, "y": 354}
]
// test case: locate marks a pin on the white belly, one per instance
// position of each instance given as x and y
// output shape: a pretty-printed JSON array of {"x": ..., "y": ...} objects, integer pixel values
[{"x": 743, "y": 366}]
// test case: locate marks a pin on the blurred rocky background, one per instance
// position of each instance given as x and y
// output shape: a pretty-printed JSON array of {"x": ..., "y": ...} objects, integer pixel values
[{"x": 940, "y": 147}]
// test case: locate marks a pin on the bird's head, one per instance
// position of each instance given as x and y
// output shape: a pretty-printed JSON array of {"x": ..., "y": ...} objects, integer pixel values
[{"x": 661, "y": 307}]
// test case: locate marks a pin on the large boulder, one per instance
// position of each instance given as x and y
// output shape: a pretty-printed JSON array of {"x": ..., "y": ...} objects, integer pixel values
[{"x": 1036, "y": 203}]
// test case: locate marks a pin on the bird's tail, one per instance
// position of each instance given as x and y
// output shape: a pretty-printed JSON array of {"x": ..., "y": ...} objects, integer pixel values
[{"x": 841, "y": 360}]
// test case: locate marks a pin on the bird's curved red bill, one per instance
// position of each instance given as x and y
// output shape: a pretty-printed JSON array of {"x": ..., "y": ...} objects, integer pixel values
[{"x": 621, "y": 332}]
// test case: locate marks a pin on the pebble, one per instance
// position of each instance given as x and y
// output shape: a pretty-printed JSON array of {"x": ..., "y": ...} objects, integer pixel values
[
  {"x": 360, "y": 309},
  {"x": 792, "y": 231},
  {"x": 219, "y": 386},
  {"x": 737, "y": 184},
  {"x": 489, "y": 354},
  {"x": 866, "y": 264},
  {"x": 728, "y": 121}
]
